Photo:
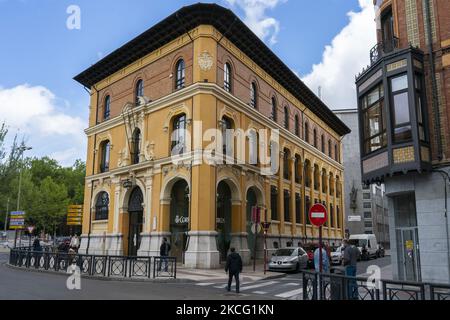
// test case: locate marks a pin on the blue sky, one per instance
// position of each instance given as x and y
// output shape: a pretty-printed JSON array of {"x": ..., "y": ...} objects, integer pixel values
[{"x": 39, "y": 55}]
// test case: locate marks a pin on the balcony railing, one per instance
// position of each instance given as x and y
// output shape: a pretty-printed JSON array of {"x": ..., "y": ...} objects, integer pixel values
[{"x": 383, "y": 48}]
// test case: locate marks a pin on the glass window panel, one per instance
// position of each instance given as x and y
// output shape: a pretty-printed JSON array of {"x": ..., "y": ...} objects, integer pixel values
[
  {"x": 421, "y": 133},
  {"x": 419, "y": 109},
  {"x": 373, "y": 96},
  {"x": 402, "y": 134},
  {"x": 399, "y": 83},
  {"x": 401, "y": 108}
]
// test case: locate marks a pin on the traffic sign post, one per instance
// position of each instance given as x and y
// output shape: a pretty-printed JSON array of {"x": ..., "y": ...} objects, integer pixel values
[
  {"x": 318, "y": 216},
  {"x": 256, "y": 220},
  {"x": 16, "y": 222},
  {"x": 266, "y": 227}
]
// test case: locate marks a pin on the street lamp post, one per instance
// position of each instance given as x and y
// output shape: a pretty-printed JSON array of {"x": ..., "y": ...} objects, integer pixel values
[{"x": 22, "y": 149}]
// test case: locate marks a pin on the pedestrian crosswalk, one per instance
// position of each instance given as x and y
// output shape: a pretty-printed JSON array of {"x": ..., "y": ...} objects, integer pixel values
[{"x": 275, "y": 288}]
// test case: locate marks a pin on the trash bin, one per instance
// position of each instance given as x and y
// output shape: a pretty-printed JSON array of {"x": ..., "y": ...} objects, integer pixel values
[{"x": 337, "y": 283}]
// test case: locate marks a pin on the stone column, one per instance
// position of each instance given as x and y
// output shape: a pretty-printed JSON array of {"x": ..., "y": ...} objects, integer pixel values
[
  {"x": 281, "y": 194},
  {"x": 144, "y": 249},
  {"x": 239, "y": 235},
  {"x": 115, "y": 243},
  {"x": 293, "y": 204}
]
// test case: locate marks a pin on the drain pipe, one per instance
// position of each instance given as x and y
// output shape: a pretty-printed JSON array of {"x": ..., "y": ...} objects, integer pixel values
[
  {"x": 446, "y": 176},
  {"x": 437, "y": 120}
]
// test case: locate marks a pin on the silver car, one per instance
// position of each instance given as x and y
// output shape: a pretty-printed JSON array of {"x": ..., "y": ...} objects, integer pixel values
[{"x": 289, "y": 259}]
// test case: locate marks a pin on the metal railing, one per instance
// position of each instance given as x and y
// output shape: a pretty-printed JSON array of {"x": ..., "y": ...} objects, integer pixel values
[
  {"x": 96, "y": 265},
  {"x": 382, "y": 48},
  {"x": 329, "y": 286}
]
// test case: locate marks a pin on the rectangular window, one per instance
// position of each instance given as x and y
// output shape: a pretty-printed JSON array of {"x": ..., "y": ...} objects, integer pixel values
[
  {"x": 287, "y": 197},
  {"x": 368, "y": 224},
  {"x": 366, "y": 196},
  {"x": 419, "y": 109},
  {"x": 374, "y": 120},
  {"x": 298, "y": 206},
  {"x": 367, "y": 215},
  {"x": 367, "y": 205},
  {"x": 307, "y": 207},
  {"x": 400, "y": 109},
  {"x": 274, "y": 202}
]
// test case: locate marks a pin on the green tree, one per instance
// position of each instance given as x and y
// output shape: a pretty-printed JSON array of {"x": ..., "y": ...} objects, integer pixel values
[{"x": 49, "y": 207}]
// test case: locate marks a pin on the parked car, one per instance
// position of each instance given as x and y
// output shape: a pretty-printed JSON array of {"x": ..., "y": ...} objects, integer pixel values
[
  {"x": 289, "y": 259},
  {"x": 367, "y": 245},
  {"x": 63, "y": 244},
  {"x": 337, "y": 255}
]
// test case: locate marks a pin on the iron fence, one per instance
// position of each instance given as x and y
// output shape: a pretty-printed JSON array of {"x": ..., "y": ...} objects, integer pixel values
[
  {"x": 96, "y": 265},
  {"x": 329, "y": 286}
]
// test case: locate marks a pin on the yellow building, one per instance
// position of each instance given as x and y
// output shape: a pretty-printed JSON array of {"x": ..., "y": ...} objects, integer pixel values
[{"x": 201, "y": 69}]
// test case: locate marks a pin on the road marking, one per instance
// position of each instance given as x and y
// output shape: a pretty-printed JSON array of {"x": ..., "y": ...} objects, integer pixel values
[
  {"x": 264, "y": 284},
  {"x": 223, "y": 286},
  {"x": 259, "y": 292},
  {"x": 289, "y": 294},
  {"x": 204, "y": 284},
  {"x": 292, "y": 284}
]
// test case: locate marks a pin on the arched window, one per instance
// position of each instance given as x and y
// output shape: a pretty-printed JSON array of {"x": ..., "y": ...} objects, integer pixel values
[
  {"x": 227, "y": 124},
  {"x": 102, "y": 206},
  {"x": 322, "y": 142},
  {"x": 274, "y": 109},
  {"x": 274, "y": 202},
  {"x": 253, "y": 96},
  {"x": 306, "y": 132},
  {"x": 105, "y": 152},
  {"x": 139, "y": 92},
  {"x": 136, "y": 146},
  {"x": 227, "y": 77},
  {"x": 338, "y": 187},
  {"x": 316, "y": 177},
  {"x": 286, "y": 118},
  {"x": 286, "y": 169},
  {"x": 180, "y": 74},
  {"x": 297, "y": 126},
  {"x": 107, "y": 108},
  {"x": 297, "y": 169},
  {"x": 336, "y": 152},
  {"x": 315, "y": 138},
  {"x": 329, "y": 148},
  {"x": 179, "y": 135},
  {"x": 307, "y": 170},
  {"x": 324, "y": 181}
]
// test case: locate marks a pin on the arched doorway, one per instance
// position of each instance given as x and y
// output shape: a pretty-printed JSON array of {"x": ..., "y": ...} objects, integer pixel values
[
  {"x": 136, "y": 214},
  {"x": 179, "y": 219},
  {"x": 223, "y": 221},
  {"x": 252, "y": 201}
]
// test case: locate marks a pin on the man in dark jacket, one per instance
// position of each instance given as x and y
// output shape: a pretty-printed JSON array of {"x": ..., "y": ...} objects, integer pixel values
[
  {"x": 164, "y": 253},
  {"x": 233, "y": 267}
]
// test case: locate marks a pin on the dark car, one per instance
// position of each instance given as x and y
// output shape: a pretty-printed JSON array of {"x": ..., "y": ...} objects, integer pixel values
[{"x": 63, "y": 244}]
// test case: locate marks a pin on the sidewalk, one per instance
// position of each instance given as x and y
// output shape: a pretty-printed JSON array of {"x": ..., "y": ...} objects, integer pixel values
[{"x": 218, "y": 275}]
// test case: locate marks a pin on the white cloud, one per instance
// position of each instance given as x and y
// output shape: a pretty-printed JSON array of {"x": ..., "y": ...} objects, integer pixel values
[
  {"x": 256, "y": 19},
  {"x": 36, "y": 113},
  {"x": 344, "y": 58}
]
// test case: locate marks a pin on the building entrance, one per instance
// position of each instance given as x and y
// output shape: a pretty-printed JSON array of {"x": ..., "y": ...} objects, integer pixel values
[
  {"x": 179, "y": 220},
  {"x": 136, "y": 212}
]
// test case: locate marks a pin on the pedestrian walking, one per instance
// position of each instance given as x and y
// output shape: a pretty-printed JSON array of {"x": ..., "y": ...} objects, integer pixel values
[
  {"x": 351, "y": 255},
  {"x": 233, "y": 267},
  {"x": 164, "y": 251},
  {"x": 325, "y": 260},
  {"x": 37, "y": 249},
  {"x": 74, "y": 243}
]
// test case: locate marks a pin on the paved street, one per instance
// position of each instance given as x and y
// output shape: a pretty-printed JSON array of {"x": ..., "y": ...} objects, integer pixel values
[{"x": 17, "y": 284}]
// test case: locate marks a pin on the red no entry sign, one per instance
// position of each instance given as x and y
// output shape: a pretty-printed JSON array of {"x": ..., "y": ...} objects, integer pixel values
[{"x": 318, "y": 215}]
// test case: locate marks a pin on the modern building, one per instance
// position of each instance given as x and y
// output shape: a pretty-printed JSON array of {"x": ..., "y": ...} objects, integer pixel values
[
  {"x": 404, "y": 105},
  {"x": 365, "y": 205},
  {"x": 151, "y": 170}
]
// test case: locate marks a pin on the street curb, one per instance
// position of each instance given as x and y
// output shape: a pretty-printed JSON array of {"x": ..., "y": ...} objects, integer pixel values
[{"x": 102, "y": 278}]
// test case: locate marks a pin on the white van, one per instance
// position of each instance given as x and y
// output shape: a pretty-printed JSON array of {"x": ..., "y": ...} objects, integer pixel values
[{"x": 367, "y": 245}]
